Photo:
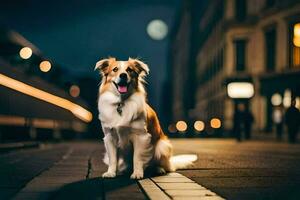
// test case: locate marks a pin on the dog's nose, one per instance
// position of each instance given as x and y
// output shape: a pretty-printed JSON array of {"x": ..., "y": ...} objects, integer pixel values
[{"x": 123, "y": 76}]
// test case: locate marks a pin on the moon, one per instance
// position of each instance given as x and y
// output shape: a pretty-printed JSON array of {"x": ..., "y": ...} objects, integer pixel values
[{"x": 157, "y": 29}]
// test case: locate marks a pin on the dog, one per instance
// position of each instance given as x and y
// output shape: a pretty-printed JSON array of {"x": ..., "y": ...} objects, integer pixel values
[{"x": 133, "y": 137}]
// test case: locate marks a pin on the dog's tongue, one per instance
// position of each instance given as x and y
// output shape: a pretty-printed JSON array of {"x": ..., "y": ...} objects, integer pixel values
[{"x": 122, "y": 89}]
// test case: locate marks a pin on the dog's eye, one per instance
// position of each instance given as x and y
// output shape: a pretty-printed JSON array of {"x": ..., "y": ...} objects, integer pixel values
[
  {"x": 115, "y": 69},
  {"x": 129, "y": 69}
]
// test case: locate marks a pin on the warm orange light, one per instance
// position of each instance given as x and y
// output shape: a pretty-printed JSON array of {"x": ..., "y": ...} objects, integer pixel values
[
  {"x": 181, "y": 126},
  {"x": 296, "y": 41},
  {"x": 215, "y": 123},
  {"x": 296, "y": 38},
  {"x": 25, "y": 53},
  {"x": 19, "y": 86},
  {"x": 199, "y": 126},
  {"x": 172, "y": 128},
  {"x": 45, "y": 66},
  {"x": 297, "y": 30},
  {"x": 74, "y": 91}
]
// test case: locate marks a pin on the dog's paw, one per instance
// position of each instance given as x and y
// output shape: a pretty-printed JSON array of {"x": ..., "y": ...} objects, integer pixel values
[
  {"x": 109, "y": 174},
  {"x": 137, "y": 175},
  {"x": 161, "y": 171}
]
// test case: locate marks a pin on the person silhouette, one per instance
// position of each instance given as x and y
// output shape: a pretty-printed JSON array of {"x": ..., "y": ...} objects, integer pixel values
[{"x": 292, "y": 118}]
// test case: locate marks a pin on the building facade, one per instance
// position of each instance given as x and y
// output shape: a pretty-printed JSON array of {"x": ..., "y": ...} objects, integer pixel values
[{"x": 253, "y": 40}]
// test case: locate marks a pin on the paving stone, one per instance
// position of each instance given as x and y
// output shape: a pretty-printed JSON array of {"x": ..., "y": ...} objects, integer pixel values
[
  {"x": 180, "y": 186},
  {"x": 153, "y": 192},
  {"x": 45, "y": 187},
  {"x": 199, "y": 198},
  {"x": 200, "y": 192},
  {"x": 32, "y": 196},
  {"x": 165, "y": 179}
]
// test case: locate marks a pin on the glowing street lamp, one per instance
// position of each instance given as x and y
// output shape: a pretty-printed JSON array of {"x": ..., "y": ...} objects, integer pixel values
[
  {"x": 74, "y": 91},
  {"x": 215, "y": 123},
  {"x": 199, "y": 126},
  {"x": 276, "y": 99},
  {"x": 45, "y": 66},
  {"x": 240, "y": 90},
  {"x": 25, "y": 53},
  {"x": 181, "y": 126}
]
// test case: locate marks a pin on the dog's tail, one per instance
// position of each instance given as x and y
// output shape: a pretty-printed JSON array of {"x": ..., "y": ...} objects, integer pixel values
[
  {"x": 163, "y": 153},
  {"x": 182, "y": 161}
]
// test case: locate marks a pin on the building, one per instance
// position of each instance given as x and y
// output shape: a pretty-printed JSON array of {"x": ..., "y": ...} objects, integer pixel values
[
  {"x": 257, "y": 41},
  {"x": 182, "y": 65}
]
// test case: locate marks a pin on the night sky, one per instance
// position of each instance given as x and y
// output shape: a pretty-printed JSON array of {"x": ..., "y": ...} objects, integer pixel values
[{"x": 76, "y": 34}]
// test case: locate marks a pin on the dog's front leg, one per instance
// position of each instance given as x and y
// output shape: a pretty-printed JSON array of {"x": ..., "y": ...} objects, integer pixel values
[
  {"x": 142, "y": 154},
  {"x": 111, "y": 149}
]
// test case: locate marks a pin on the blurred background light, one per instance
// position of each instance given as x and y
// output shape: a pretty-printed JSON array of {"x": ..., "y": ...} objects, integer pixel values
[
  {"x": 298, "y": 102},
  {"x": 287, "y": 97},
  {"x": 45, "y": 66},
  {"x": 74, "y": 91},
  {"x": 157, "y": 29},
  {"x": 276, "y": 99},
  {"x": 297, "y": 30},
  {"x": 181, "y": 126},
  {"x": 240, "y": 90},
  {"x": 296, "y": 38},
  {"x": 199, "y": 126},
  {"x": 215, "y": 123},
  {"x": 172, "y": 128},
  {"x": 296, "y": 41},
  {"x": 25, "y": 52},
  {"x": 24, "y": 88}
]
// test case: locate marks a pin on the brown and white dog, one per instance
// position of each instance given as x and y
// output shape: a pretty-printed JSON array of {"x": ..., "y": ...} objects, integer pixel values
[{"x": 133, "y": 137}]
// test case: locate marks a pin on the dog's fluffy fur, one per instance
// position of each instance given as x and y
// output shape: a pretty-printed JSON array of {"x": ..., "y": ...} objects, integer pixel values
[{"x": 133, "y": 137}]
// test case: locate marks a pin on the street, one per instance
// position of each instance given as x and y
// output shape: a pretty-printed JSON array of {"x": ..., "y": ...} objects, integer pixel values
[{"x": 231, "y": 170}]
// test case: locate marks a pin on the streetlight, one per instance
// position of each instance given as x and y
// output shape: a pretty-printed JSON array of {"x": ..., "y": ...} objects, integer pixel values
[
  {"x": 45, "y": 66},
  {"x": 181, "y": 126},
  {"x": 199, "y": 126},
  {"x": 240, "y": 90},
  {"x": 25, "y": 53}
]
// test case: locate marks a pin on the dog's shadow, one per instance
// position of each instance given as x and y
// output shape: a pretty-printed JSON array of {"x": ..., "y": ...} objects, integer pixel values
[{"x": 95, "y": 188}]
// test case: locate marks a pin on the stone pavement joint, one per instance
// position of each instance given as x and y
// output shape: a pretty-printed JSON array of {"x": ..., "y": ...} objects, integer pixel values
[{"x": 175, "y": 186}]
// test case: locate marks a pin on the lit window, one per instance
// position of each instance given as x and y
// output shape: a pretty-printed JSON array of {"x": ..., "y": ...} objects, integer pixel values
[{"x": 296, "y": 46}]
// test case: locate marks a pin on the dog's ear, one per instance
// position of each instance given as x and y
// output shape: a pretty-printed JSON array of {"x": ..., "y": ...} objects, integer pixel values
[
  {"x": 103, "y": 65},
  {"x": 142, "y": 67}
]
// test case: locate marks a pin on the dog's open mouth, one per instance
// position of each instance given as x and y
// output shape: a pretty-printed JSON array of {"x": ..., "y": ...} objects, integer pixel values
[{"x": 122, "y": 87}]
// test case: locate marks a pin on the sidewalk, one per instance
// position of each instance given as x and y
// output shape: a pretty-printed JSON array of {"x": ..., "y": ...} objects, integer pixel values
[
  {"x": 5, "y": 147},
  {"x": 73, "y": 171}
]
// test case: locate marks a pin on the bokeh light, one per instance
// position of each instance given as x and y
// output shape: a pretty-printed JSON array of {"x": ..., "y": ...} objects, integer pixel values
[
  {"x": 25, "y": 53},
  {"x": 45, "y": 66},
  {"x": 74, "y": 91},
  {"x": 215, "y": 123},
  {"x": 287, "y": 97},
  {"x": 297, "y": 30},
  {"x": 172, "y": 128},
  {"x": 240, "y": 90},
  {"x": 199, "y": 126},
  {"x": 181, "y": 126},
  {"x": 276, "y": 99},
  {"x": 296, "y": 38}
]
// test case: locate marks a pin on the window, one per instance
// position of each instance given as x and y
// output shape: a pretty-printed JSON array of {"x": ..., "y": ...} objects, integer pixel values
[
  {"x": 240, "y": 10},
  {"x": 240, "y": 55},
  {"x": 295, "y": 45},
  {"x": 270, "y": 38}
]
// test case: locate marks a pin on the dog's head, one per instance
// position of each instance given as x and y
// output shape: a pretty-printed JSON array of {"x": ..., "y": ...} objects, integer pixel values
[{"x": 122, "y": 77}]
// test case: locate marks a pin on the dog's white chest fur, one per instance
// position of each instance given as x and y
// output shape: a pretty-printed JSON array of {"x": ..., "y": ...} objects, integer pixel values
[{"x": 132, "y": 116}]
